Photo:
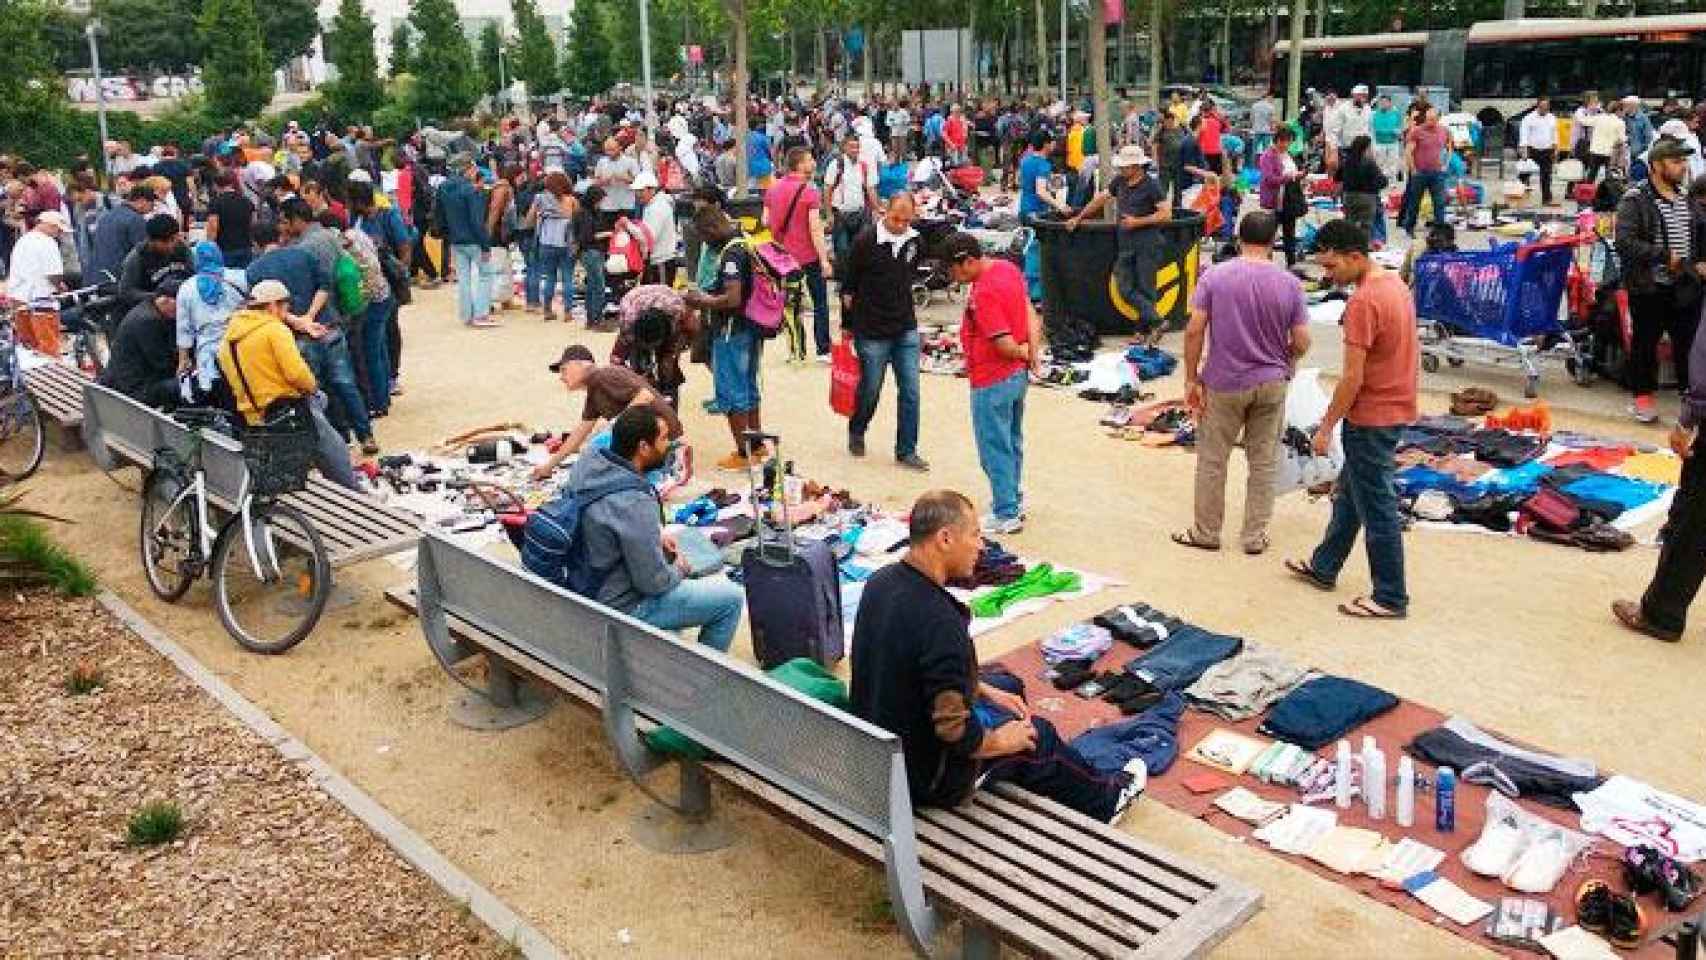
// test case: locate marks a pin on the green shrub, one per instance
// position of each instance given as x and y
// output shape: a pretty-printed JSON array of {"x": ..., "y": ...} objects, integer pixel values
[
  {"x": 85, "y": 677},
  {"x": 154, "y": 823},
  {"x": 26, "y": 546}
]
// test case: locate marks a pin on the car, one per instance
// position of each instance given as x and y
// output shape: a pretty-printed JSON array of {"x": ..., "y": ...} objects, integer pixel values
[{"x": 1234, "y": 107}]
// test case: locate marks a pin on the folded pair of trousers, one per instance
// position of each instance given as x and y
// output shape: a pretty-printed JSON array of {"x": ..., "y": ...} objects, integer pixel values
[
  {"x": 1179, "y": 660},
  {"x": 1152, "y": 736},
  {"x": 1551, "y": 782},
  {"x": 1323, "y": 710}
]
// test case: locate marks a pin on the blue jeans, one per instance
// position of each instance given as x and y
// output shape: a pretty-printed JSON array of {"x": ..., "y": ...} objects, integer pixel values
[
  {"x": 473, "y": 298},
  {"x": 329, "y": 359},
  {"x": 1434, "y": 184},
  {"x": 1365, "y": 499},
  {"x": 734, "y": 369},
  {"x": 1054, "y": 769},
  {"x": 842, "y": 231},
  {"x": 529, "y": 267},
  {"x": 376, "y": 349},
  {"x": 998, "y": 424},
  {"x": 554, "y": 262},
  {"x": 713, "y": 604},
  {"x": 819, "y": 291},
  {"x": 592, "y": 260},
  {"x": 331, "y": 455},
  {"x": 875, "y": 356},
  {"x": 1183, "y": 656}
]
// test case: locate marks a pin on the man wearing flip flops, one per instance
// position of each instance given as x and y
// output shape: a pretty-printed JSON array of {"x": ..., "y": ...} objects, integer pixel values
[{"x": 1375, "y": 398}]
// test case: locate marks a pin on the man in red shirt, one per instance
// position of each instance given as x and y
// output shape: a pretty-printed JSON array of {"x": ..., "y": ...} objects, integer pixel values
[
  {"x": 791, "y": 212},
  {"x": 955, "y": 133},
  {"x": 1209, "y": 128},
  {"x": 1002, "y": 337}
]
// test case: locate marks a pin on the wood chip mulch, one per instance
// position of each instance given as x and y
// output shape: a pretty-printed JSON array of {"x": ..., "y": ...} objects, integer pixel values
[{"x": 267, "y": 864}]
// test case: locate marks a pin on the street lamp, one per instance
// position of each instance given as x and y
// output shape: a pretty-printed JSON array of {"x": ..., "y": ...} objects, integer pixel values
[{"x": 91, "y": 30}]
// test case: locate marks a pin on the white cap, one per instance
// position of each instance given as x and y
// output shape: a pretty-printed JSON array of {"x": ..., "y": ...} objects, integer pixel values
[
  {"x": 1674, "y": 128},
  {"x": 645, "y": 181},
  {"x": 1361, "y": 88},
  {"x": 1130, "y": 155},
  {"x": 53, "y": 217},
  {"x": 360, "y": 176},
  {"x": 1631, "y": 99},
  {"x": 269, "y": 291}
]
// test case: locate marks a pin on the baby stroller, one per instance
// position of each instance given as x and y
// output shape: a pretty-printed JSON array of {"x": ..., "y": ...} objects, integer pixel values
[{"x": 931, "y": 275}]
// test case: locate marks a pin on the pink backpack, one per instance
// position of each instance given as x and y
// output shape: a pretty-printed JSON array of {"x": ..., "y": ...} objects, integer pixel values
[{"x": 773, "y": 270}]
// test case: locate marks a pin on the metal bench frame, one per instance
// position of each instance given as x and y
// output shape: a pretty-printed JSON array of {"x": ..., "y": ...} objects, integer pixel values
[
  {"x": 58, "y": 392},
  {"x": 841, "y": 778}
]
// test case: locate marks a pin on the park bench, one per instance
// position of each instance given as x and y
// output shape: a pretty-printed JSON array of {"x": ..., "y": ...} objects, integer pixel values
[
  {"x": 119, "y": 431},
  {"x": 1014, "y": 868},
  {"x": 58, "y": 392}
]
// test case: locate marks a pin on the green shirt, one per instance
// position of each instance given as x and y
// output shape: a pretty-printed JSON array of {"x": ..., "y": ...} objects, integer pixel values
[{"x": 1386, "y": 123}]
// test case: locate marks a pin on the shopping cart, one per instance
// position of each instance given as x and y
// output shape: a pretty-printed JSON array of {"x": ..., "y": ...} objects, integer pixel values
[{"x": 1502, "y": 307}]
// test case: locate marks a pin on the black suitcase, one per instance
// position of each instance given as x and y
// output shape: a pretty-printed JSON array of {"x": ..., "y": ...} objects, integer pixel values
[{"x": 793, "y": 590}]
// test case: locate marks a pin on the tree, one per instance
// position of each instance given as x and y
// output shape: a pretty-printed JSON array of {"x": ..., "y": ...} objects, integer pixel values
[
  {"x": 148, "y": 35},
  {"x": 535, "y": 62},
  {"x": 493, "y": 72},
  {"x": 443, "y": 58},
  {"x": 586, "y": 69},
  {"x": 401, "y": 41},
  {"x": 235, "y": 72},
  {"x": 349, "y": 44},
  {"x": 288, "y": 29}
]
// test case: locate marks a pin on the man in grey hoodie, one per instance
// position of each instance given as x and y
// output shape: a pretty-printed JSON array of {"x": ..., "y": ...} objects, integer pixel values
[{"x": 645, "y": 575}]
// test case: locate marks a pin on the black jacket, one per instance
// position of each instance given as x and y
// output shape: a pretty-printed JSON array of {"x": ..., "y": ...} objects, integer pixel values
[
  {"x": 143, "y": 268},
  {"x": 1363, "y": 176},
  {"x": 1640, "y": 238},
  {"x": 144, "y": 363},
  {"x": 880, "y": 282}
]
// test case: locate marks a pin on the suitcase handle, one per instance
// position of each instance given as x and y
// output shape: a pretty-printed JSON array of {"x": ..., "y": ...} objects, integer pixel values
[{"x": 770, "y": 551}]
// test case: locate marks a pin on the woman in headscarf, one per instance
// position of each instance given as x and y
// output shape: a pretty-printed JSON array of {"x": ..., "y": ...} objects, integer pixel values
[{"x": 205, "y": 305}]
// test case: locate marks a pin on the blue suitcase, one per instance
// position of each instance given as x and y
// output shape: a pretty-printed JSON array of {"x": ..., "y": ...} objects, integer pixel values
[{"x": 793, "y": 590}]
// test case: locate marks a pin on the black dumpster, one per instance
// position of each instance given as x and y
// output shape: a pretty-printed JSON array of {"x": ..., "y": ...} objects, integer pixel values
[{"x": 1079, "y": 293}]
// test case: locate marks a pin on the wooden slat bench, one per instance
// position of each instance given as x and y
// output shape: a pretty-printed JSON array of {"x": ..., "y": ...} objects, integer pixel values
[
  {"x": 119, "y": 431},
  {"x": 58, "y": 392},
  {"x": 1014, "y": 868}
]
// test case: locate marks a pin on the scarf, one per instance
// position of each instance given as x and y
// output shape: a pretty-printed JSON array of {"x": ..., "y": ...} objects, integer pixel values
[{"x": 209, "y": 272}]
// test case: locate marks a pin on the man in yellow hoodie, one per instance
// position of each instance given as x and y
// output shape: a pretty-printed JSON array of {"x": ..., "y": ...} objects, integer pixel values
[{"x": 260, "y": 361}]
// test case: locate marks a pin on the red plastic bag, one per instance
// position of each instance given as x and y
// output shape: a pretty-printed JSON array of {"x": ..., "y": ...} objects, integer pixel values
[{"x": 844, "y": 378}]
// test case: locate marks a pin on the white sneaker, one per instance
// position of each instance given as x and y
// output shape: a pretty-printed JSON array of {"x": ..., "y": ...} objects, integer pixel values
[
  {"x": 995, "y": 526},
  {"x": 1139, "y": 780}
]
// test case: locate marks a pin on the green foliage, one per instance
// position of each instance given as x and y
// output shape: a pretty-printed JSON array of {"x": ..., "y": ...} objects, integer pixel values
[
  {"x": 443, "y": 55},
  {"x": 26, "y": 547},
  {"x": 356, "y": 93},
  {"x": 396, "y": 119},
  {"x": 493, "y": 71},
  {"x": 154, "y": 823},
  {"x": 147, "y": 35},
  {"x": 288, "y": 28},
  {"x": 535, "y": 62},
  {"x": 587, "y": 69},
  {"x": 236, "y": 75},
  {"x": 85, "y": 678},
  {"x": 402, "y": 50}
]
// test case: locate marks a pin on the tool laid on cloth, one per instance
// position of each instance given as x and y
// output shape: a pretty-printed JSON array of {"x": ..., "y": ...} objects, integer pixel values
[{"x": 793, "y": 593}]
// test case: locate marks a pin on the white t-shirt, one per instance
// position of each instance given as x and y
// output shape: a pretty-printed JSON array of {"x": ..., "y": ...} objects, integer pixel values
[
  {"x": 35, "y": 258},
  {"x": 617, "y": 194},
  {"x": 659, "y": 218},
  {"x": 848, "y": 192}
]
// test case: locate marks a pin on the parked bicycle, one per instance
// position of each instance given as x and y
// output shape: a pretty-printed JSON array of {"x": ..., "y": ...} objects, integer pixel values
[
  {"x": 271, "y": 573},
  {"x": 86, "y": 315},
  {"x": 23, "y": 436}
]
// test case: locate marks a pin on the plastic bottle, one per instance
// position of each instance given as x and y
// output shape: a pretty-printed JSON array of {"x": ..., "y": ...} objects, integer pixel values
[
  {"x": 1445, "y": 801},
  {"x": 1374, "y": 781},
  {"x": 1406, "y": 812},
  {"x": 1342, "y": 777}
]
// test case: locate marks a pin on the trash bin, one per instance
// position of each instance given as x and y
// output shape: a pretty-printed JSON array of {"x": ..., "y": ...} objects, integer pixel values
[{"x": 1079, "y": 292}]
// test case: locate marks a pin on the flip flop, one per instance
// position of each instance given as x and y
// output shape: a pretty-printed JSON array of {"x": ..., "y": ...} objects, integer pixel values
[
  {"x": 1302, "y": 570},
  {"x": 1188, "y": 539},
  {"x": 1364, "y": 608}
]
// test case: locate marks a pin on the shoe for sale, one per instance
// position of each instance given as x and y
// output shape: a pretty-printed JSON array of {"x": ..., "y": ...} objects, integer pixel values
[
  {"x": 733, "y": 461},
  {"x": 1646, "y": 870},
  {"x": 370, "y": 446},
  {"x": 1644, "y": 410},
  {"x": 913, "y": 461},
  {"x": 1138, "y": 770},
  {"x": 996, "y": 526},
  {"x": 1616, "y": 916}
]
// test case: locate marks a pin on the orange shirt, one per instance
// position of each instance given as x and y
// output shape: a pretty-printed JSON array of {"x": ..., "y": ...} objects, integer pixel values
[{"x": 1381, "y": 318}]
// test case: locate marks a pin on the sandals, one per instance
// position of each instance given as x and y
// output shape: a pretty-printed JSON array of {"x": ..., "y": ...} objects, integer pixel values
[
  {"x": 1305, "y": 572},
  {"x": 1364, "y": 608},
  {"x": 1189, "y": 539}
]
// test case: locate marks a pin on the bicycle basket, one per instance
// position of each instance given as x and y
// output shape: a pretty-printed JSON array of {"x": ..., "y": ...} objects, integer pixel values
[{"x": 278, "y": 458}]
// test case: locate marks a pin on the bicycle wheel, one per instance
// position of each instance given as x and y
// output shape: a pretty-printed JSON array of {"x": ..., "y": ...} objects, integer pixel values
[
  {"x": 169, "y": 536},
  {"x": 23, "y": 437},
  {"x": 270, "y": 610}
]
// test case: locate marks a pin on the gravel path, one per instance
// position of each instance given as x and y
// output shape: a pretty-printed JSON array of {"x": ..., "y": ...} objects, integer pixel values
[{"x": 267, "y": 864}]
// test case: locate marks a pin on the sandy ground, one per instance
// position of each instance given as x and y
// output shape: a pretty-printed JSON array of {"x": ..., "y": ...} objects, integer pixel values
[{"x": 1515, "y": 635}]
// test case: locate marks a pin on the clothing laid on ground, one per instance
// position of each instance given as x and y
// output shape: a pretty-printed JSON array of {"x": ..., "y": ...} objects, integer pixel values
[
  {"x": 1537, "y": 776},
  {"x": 1137, "y": 624},
  {"x": 1629, "y": 812},
  {"x": 1182, "y": 658},
  {"x": 1324, "y": 709},
  {"x": 1080, "y": 641},
  {"x": 1043, "y": 580},
  {"x": 1152, "y": 736},
  {"x": 1626, "y": 492},
  {"x": 1247, "y": 684}
]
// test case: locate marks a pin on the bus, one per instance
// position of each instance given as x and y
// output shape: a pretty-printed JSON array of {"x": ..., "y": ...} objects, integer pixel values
[{"x": 1496, "y": 68}]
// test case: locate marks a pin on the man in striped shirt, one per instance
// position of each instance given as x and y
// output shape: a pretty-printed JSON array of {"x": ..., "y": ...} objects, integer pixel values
[{"x": 1662, "y": 270}]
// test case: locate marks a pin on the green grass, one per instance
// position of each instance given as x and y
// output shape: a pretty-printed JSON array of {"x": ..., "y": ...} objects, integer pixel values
[
  {"x": 154, "y": 823},
  {"x": 25, "y": 545}
]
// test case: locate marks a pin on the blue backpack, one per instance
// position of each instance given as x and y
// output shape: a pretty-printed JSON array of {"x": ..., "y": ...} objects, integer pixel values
[
  {"x": 1151, "y": 362},
  {"x": 553, "y": 546}
]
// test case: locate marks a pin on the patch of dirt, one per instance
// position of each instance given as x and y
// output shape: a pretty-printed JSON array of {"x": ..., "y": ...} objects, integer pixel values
[{"x": 267, "y": 864}]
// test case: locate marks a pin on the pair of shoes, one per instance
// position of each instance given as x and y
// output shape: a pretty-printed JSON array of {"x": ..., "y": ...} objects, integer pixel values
[
  {"x": 1630, "y": 614},
  {"x": 734, "y": 461},
  {"x": 1644, "y": 410},
  {"x": 1646, "y": 870},
  {"x": 913, "y": 461},
  {"x": 1618, "y": 916},
  {"x": 370, "y": 446},
  {"x": 1138, "y": 771},
  {"x": 856, "y": 446},
  {"x": 996, "y": 526}
]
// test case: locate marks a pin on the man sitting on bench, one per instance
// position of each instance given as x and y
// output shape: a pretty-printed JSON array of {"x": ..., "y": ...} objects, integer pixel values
[
  {"x": 915, "y": 674},
  {"x": 644, "y": 575}
]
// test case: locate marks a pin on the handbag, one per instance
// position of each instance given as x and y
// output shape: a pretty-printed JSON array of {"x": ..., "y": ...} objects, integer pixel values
[
  {"x": 844, "y": 374},
  {"x": 1552, "y": 510}
]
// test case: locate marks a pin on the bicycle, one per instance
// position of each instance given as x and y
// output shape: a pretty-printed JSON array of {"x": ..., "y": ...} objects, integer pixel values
[
  {"x": 85, "y": 315},
  {"x": 270, "y": 594},
  {"x": 23, "y": 436}
]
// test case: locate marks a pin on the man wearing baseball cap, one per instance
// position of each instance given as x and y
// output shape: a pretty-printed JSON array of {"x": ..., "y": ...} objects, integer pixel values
[
  {"x": 657, "y": 212},
  {"x": 144, "y": 361},
  {"x": 609, "y": 391},
  {"x": 35, "y": 274},
  {"x": 261, "y": 364},
  {"x": 1140, "y": 203}
]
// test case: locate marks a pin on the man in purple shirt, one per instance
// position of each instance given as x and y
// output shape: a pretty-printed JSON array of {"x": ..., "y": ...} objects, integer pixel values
[{"x": 1258, "y": 326}]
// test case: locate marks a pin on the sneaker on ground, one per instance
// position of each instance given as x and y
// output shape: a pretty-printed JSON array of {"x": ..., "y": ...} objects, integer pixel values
[
  {"x": 485, "y": 322},
  {"x": 1139, "y": 772},
  {"x": 995, "y": 526},
  {"x": 1644, "y": 410},
  {"x": 913, "y": 461}
]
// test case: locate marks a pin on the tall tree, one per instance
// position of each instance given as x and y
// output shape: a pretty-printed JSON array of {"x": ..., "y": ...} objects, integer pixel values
[
  {"x": 288, "y": 29},
  {"x": 148, "y": 35},
  {"x": 535, "y": 52},
  {"x": 587, "y": 69},
  {"x": 402, "y": 43},
  {"x": 349, "y": 44},
  {"x": 493, "y": 73},
  {"x": 444, "y": 60},
  {"x": 237, "y": 77}
]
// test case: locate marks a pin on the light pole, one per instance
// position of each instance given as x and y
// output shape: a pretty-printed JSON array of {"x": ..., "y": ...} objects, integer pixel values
[
  {"x": 646, "y": 66},
  {"x": 90, "y": 31},
  {"x": 1063, "y": 5}
]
